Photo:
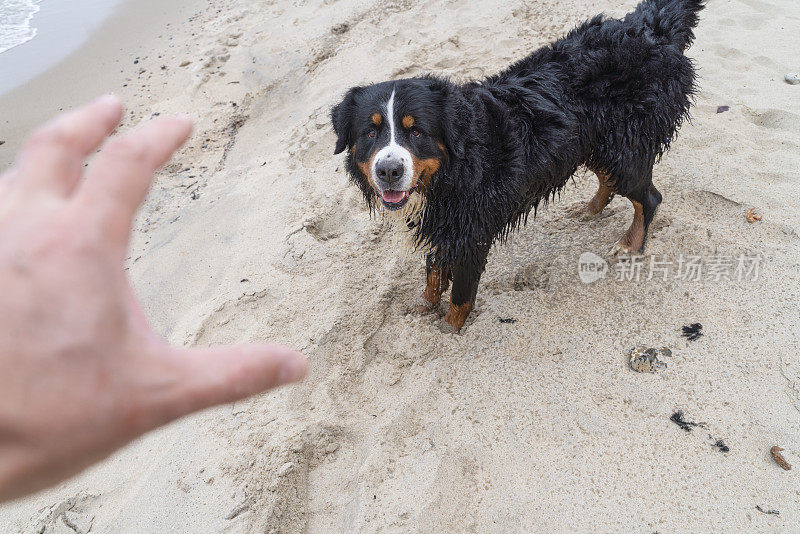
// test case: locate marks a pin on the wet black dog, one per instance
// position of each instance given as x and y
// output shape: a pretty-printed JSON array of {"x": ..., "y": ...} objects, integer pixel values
[{"x": 460, "y": 166}]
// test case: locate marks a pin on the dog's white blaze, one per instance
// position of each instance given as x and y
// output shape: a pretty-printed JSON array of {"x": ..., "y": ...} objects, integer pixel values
[
  {"x": 414, "y": 209},
  {"x": 394, "y": 150},
  {"x": 390, "y": 115}
]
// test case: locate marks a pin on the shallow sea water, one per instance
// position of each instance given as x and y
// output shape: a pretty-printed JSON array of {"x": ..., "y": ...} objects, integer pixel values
[{"x": 15, "y": 22}]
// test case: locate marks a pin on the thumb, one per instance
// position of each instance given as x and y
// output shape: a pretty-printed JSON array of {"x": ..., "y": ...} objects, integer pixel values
[{"x": 218, "y": 375}]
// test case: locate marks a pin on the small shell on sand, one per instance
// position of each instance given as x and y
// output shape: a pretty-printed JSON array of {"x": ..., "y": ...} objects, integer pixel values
[
  {"x": 792, "y": 78},
  {"x": 644, "y": 359},
  {"x": 752, "y": 216}
]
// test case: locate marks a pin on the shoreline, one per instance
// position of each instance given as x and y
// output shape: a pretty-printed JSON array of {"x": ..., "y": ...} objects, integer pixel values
[
  {"x": 59, "y": 30},
  {"x": 96, "y": 67}
]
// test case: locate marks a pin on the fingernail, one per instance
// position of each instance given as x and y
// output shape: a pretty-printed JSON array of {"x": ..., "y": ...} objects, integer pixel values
[
  {"x": 109, "y": 99},
  {"x": 293, "y": 368},
  {"x": 184, "y": 118}
]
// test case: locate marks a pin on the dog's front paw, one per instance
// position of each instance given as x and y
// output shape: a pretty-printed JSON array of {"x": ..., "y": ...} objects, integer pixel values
[
  {"x": 447, "y": 328},
  {"x": 620, "y": 249},
  {"x": 457, "y": 315},
  {"x": 626, "y": 247}
]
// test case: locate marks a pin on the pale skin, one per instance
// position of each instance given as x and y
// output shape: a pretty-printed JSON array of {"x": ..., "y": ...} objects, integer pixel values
[{"x": 82, "y": 373}]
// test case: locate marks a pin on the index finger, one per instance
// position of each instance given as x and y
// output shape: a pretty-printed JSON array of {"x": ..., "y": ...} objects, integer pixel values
[{"x": 52, "y": 157}]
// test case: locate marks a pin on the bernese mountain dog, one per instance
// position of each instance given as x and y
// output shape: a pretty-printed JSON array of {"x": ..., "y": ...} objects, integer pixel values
[{"x": 460, "y": 166}]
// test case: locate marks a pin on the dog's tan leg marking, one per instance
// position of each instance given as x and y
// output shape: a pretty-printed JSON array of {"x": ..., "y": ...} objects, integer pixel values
[
  {"x": 600, "y": 199},
  {"x": 436, "y": 284},
  {"x": 633, "y": 239},
  {"x": 457, "y": 315}
]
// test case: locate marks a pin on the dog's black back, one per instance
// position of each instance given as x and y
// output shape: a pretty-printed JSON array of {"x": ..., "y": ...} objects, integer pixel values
[{"x": 611, "y": 95}]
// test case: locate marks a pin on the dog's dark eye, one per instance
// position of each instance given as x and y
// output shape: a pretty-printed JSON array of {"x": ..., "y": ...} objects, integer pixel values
[
  {"x": 372, "y": 133},
  {"x": 415, "y": 132}
]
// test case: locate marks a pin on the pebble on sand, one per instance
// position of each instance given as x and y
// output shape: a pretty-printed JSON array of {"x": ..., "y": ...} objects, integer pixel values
[
  {"x": 779, "y": 459},
  {"x": 792, "y": 78}
]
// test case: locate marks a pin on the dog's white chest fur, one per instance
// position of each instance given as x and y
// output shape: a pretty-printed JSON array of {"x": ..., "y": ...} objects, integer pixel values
[{"x": 403, "y": 222}]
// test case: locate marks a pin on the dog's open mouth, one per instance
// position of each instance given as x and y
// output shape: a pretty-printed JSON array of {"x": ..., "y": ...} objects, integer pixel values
[{"x": 394, "y": 200}]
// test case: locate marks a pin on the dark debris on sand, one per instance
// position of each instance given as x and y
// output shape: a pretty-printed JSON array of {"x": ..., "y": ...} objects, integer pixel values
[
  {"x": 678, "y": 419},
  {"x": 687, "y": 426},
  {"x": 721, "y": 446},
  {"x": 693, "y": 331}
]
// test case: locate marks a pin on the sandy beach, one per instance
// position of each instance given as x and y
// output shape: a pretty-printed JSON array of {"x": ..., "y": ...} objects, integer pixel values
[{"x": 531, "y": 419}]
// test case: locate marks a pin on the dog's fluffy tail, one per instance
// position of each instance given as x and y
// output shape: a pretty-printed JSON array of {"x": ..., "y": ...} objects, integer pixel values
[{"x": 672, "y": 20}]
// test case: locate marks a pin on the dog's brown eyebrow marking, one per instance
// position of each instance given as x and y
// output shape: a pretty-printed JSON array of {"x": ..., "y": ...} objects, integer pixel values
[
  {"x": 376, "y": 119},
  {"x": 408, "y": 122}
]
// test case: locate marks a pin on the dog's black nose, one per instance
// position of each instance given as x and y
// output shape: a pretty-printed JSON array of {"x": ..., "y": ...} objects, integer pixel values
[{"x": 389, "y": 170}]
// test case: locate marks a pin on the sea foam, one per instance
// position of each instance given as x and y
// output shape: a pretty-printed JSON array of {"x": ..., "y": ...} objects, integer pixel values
[{"x": 15, "y": 22}]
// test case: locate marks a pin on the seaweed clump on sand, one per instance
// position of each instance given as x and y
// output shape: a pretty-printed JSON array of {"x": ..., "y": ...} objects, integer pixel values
[
  {"x": 693, "y": 331},
  {"x": 678, "y": 419}
]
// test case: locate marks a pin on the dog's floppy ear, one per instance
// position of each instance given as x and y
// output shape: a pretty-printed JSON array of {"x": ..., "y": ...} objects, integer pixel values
[
  {"x": 457, "y": 119},
  {"x": 458, "y": 123},
  {"x": 342, "y": 119}
]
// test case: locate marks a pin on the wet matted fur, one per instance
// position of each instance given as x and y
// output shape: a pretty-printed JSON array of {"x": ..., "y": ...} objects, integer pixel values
[{"x": 481, "y": 156}]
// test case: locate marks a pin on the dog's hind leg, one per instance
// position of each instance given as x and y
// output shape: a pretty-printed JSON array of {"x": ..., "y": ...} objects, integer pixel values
[
  {"x": 645, "y": 203},
  {"x": 589, "y": 210},
  {"x": 601, "y": 198}
]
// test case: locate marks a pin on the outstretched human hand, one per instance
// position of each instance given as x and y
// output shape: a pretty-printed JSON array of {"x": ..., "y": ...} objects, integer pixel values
[{"x": 81, "y": 371}]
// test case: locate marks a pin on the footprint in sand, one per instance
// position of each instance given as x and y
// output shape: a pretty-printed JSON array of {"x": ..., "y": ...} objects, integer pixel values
[
  {"x": 281, "y": 475},
  {"x": 774, "y": 119},
  {"x": 749, "y": 23},
  {"x": 532, "y": 276},
  {"x": 72, "y": 515},
  {"x": 238, "y": 316},
  {"x": 324, "y": 227}
]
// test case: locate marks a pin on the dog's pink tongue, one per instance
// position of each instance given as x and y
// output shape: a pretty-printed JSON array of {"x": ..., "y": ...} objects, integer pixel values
[{"x": 393, "y": 197}]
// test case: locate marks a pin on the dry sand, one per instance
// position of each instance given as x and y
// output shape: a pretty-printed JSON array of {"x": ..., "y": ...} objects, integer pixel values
[{"x": 253, "y": 233}]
